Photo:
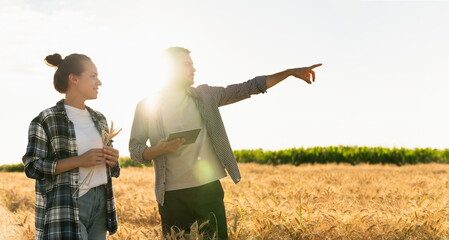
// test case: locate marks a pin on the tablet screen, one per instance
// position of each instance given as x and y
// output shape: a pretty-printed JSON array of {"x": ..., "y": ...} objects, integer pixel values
[{"x": 189, "y": 135}]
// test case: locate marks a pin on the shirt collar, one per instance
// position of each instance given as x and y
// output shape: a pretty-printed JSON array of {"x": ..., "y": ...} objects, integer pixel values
[
  {"x": 60, "y": 106},
  {"x": 61, "y": 109},
  {"x": 191, "y": 92}
]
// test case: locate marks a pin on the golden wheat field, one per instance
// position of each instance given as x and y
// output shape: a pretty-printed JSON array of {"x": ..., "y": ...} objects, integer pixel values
[{"x": 278, "y": 202}]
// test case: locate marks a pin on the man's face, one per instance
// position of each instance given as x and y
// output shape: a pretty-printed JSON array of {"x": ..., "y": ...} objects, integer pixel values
[{"x": 183, "y": 71}]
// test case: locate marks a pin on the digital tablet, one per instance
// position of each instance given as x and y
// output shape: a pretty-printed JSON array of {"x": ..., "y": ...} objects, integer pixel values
[{"x": 190, "y": 135}]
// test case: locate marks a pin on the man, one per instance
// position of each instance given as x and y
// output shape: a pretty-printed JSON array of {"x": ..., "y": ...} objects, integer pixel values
[{"x": 187, "y": 176}]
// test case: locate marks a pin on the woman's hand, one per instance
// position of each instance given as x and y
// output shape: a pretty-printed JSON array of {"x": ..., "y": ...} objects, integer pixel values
[
  {"x": 91, "y": 158},
  {"x": 111, "y": 155}
]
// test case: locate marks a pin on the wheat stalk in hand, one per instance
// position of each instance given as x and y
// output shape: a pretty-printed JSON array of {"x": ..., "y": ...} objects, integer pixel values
[
  {"x": 106, "y": 141},
  {"x": 112, "y": 133}
]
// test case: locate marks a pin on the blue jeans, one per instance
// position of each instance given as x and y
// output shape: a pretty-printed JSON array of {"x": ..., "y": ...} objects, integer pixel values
[{"x": 92, "y": 215}]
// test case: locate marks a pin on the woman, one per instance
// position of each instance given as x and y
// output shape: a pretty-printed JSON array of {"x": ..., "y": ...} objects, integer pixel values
[{"x": 67, "y": 157}]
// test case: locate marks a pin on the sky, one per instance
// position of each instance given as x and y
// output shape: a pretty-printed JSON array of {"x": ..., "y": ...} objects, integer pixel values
[{"x": 384, "y": 79}]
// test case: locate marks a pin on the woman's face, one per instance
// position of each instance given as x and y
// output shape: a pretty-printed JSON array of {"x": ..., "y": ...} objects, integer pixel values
[{"x": 88, "y": 82}]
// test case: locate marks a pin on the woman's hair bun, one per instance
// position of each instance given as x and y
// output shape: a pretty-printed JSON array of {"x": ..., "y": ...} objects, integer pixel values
[{"x": 53, "y": 60}]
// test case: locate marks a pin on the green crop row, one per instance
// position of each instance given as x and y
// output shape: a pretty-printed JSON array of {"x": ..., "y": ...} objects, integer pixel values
[
  {"x": 344, "y": 154},
  {"x": 296, "y": 156},
  {"x": 19, "y": 167},
  {"x": 12, "y": 168},
  {"x": 127, "y": 162}
]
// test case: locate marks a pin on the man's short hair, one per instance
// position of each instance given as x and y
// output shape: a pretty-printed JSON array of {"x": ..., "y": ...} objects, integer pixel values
[{"x": 172, "y": 52}]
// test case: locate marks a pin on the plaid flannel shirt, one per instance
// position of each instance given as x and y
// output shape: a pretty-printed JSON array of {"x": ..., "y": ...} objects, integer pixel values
[
  {"x": 147, "y": 125},
  {"x": 51, "y": 137}
]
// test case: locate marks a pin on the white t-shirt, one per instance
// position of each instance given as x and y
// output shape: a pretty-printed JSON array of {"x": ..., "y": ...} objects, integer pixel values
[
  {"x": 87, "y": 137},
  {"x": 194, "y": 164}
]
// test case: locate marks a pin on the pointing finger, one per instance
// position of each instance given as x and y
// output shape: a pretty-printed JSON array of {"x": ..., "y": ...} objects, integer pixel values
[{"x": 316, "y": 65}]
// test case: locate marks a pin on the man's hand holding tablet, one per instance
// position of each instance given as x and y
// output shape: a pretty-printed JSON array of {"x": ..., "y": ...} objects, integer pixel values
[
  {"x": 176, "y": 140},
  {"x": 166, "y": 146},
  {"x": 189, "y": 135}
]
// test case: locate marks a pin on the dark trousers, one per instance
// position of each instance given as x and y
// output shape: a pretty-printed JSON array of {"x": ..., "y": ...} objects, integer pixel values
[{"x": 185, "y": 206}]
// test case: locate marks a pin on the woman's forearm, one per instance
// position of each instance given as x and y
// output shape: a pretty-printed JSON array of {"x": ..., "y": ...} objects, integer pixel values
[{"x": 66, "y": 164}]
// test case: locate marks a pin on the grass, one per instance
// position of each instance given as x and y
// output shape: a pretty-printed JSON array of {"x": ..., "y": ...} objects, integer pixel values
[{"x": 335, "y": 201}]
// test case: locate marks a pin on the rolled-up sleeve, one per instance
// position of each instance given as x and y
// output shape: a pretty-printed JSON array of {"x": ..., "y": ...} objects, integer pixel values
[
  {"x": 37, "y": 163},
  {"x": 237, "y": 92},
  {"x": 139, "y": 133},
  {"x": 115, "y": 171}
]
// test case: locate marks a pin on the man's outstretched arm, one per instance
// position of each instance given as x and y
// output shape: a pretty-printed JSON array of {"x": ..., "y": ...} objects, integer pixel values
[
  {"x": 305, "y": 73},
  {"x": 237, "y": 92}
]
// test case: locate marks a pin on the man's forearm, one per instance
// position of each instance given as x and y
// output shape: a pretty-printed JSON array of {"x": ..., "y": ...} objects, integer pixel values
[
  {"x": 276, "y": 78},
  {"x": 151, "y": 153}
]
